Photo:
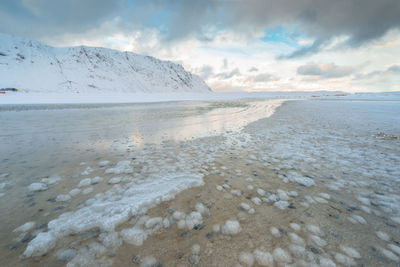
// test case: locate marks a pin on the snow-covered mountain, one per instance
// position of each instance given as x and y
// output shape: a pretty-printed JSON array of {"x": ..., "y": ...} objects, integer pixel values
[{"x": 35, "y": 67}]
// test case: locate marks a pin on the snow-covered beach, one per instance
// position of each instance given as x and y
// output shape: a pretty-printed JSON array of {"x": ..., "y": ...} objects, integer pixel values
[{"x": 202, "y": 183}]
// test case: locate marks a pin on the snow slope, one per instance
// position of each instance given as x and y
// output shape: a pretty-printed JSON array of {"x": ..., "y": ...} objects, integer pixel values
[{"x": 35, "y": 67}]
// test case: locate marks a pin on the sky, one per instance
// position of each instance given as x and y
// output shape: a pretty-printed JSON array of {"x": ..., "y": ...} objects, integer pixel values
[{"x": 234, "y": 45}]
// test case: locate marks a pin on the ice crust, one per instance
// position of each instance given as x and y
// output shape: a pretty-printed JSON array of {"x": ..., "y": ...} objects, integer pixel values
[
  {"x": 35, "y": 187},
  {"x": 107, "y": 211},
  {"x": 122, "y": 167}
]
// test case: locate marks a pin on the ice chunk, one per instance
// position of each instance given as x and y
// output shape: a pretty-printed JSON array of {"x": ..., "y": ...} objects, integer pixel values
[
  {"x": 281, "y": 204},
  {"x": 226, "y": 186},
  {"x": 246, "y": 258},
  {"x": 201, "y": 208},
  {"x": 297, "y": 251},
  {"x": 114, "y": 180},
  {"x": 351, "y": 252},
  {"x": 325, "y": 195},
  {"x": 281, "y": 255},
  {"x": 216, "y": 228},
  {"x": 51, "y": 180},
  {"x": 74, "y": 192},
  {"x": 236, "y": 192},
  {"x": 40, "y": 245},
  {"x": 394, "y": 248},
  {"x": 261, "y": 192},
  {"x": 318, "y": 241},
  {"x": 325, "y": 262},
  {"x": 382, "y": 235},
  {"x": 121, "y": 167},
  {"x": 273, "y": 197},
  {"x": 256, "y": 201},
  {"x": 96, "y": 180},
  {"x": 166, "y": 223},
  {"x": 358, "y": 219},
  {"x": 244, "y": 206},
  {"x": 388, "y": 254},
  {"x": 35, "y": 187},
  {"x": 85, "y": 182},
  {"x": 134, "y": 236},
  {"x": 296, "y": 239},
  {"x": 365, "y": 209},
  {"x": 62, "y": 198},
  {"x": 314, "y": 229},
  {"x": 263, "y": 258},
  {"x": 111, "y": 240},
  {"x": 87, "y": 171},
  {"x": 250, "y": 187},
  {"x": 396, "y": 219},
  {"x": 219, "y": 188},
  {"x": 345, "y": 260},
  {"x": 295, "y": 227},
  {"x": 148, "y": 261},
  {"x": 104, "y": 163},
  {"x": 196, "y": 249},
  {"x": 231, "y": 227},
  {"x": 275, "y": 232},
  {"x": 66, "y": 254},
  {"x": 153, "y": 222},
  {"x": 193, "y": 219},
  {"x": 282, "y": 195},
  {"x": 87, "y": 191},
  {"x": 295, "y": 177},
  {"x": 321, "y": 200},
  {"x": 177, "y": 215},
  {"x": 181, "y": 224},
  {"x": 25, "y": 227}
]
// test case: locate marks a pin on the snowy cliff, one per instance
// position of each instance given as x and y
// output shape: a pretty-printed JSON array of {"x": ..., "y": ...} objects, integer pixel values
[{"x": 35, "y": 67}]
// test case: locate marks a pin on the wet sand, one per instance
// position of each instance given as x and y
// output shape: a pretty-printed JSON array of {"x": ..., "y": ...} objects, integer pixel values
[{"x": 328, "y": 182}]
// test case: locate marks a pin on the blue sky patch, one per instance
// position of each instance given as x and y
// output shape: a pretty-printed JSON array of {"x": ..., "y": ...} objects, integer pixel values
[{"x": 283, "y": 34}]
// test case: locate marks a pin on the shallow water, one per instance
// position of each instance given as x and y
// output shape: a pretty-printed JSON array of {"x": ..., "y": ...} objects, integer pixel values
[
  {"x": 40, "y": 141},
  {"x": 340, "y": 158}
]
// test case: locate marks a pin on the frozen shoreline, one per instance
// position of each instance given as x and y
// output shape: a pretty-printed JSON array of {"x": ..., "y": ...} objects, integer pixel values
[
  {"x": 21, "y": 98},
  {"x": 318, "y": 172}
]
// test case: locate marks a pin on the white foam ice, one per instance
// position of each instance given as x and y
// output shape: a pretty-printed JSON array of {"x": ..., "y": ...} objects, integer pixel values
[
  {"x": 35, "y": 187},
  {"x": 85, "y": 182},
  {"x": 51, "y": 180},
  {"x": 281, "y": 255},
  {"x": 87, "y": 171},
  {"x": 231, "y": 227},
  {"x": 247, "y": 258},
  {"x": 25, "y": 227},
  {"x": 114, "y": 207},
  {"x": 122, "y": 167},
  {"x": 263, "y": 258}
]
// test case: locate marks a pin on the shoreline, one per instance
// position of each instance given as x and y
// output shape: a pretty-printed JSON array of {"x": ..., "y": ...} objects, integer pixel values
[{"x": 321, "y": 215}]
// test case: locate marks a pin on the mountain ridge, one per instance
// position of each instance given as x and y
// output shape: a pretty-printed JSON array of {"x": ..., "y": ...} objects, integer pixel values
[{"x": 36, "y": 67}]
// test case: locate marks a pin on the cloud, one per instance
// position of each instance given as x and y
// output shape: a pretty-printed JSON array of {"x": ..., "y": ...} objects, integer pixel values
[
  {"x": 41, "y": 18},
  {"x": 394, "y": 68},
  {"x": 228, "y": 75},
  {"x": 321, "y": 20},
  {"x": 205, "y": 72},
  {"x": 391, "y": 70},
  {"x": 262, "y": 78},
  {"x": 253, "y": 69},
  {"x": 325, "y": 70},
  {"x": 225, "y": 64}
]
